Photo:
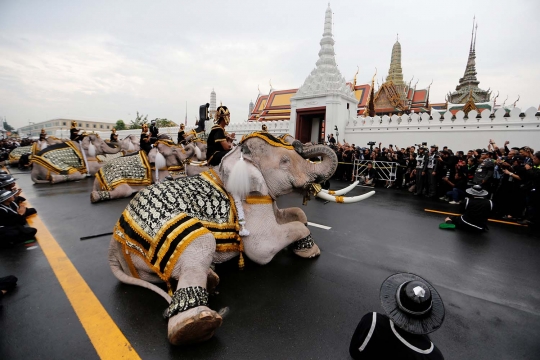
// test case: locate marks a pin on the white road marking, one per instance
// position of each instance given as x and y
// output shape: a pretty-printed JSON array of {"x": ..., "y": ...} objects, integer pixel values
[
  {"x": 319, "y": 226},
  {"x": 31, "y": 247}
]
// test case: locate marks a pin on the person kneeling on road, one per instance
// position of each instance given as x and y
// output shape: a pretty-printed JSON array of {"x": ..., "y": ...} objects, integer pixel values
[
  {"x": 476, "y": 210},
  {"x": 12, "y": 222}
]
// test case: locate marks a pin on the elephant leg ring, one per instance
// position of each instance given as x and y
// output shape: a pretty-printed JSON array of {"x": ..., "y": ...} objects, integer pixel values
[
  {"x": 104, "y": 195},
  {"x": 186, "y": 298},
  {"x": 304, "y": 243}
]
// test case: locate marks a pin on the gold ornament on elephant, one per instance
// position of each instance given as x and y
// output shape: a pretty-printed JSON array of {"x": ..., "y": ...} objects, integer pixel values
[{"x": 311, "y": 189}]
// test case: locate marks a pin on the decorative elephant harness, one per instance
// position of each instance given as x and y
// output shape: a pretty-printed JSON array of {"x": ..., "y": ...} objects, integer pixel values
[
  {"x": 133, "y": 169},
  {"x": 163, "y": 219},
  {"x": 64, "y": 159}
]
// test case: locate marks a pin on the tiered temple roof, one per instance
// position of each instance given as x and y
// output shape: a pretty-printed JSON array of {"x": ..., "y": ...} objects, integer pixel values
[{"x": 467, "y": 90}]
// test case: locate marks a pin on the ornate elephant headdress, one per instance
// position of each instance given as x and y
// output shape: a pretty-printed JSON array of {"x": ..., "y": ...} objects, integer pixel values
[{"x": 269, "y": 138}]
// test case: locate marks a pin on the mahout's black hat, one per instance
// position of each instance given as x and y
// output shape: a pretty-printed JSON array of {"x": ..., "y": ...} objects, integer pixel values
[{"x": 412, "y": 303}]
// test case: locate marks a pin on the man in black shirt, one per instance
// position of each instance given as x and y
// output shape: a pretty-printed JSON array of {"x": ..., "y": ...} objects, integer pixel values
[
  {"x": 145, "y": 139},
  {"x": 219, "y": 143},
  {"x": 42, "y": 135},
  {"x": 74, "y": 132},
  {"x": 413, "y": 309},
  {"x": 154, "y": 132},
  {"x": 12, "y": 229},
  {"x": 114, "y": 135},
  {"x": 476, "y": 210},
  {"x": 182, "y": 134}
]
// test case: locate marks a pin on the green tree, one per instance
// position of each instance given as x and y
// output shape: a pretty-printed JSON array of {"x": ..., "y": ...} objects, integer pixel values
[
  {"x": 120, "y": 125},
  {"x": 139, "y": 121},
  {"x": 8, "y": 127},
  {"x": 161, "y": 123}
]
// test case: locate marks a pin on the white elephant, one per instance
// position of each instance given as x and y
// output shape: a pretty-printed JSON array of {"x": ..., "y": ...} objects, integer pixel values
[
  {"x": 120, "y": 178},
  {"x": 176, "y": 229},
  {"x": 70, "y": 160}
]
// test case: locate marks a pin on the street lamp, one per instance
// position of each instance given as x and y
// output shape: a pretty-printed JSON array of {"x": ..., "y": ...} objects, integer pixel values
[{"x": 337, "y": 133}]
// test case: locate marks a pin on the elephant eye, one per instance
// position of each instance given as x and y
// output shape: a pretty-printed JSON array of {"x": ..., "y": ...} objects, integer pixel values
[{"x": 284, "y": 160}]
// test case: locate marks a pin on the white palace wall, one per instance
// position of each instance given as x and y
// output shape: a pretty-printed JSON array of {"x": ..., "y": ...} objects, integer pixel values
[{"x": 458, "y": 134}]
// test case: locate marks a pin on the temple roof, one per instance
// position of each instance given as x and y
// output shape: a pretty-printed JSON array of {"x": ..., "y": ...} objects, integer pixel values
[{"x": 469, "y": 83}]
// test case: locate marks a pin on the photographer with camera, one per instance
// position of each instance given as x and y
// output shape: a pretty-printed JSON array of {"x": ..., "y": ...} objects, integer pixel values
[
  {"x": 432, "y": 171},
  {"x": 421, "y": 168}
]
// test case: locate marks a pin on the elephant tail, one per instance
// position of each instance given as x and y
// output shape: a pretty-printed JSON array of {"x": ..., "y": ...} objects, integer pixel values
[{"x": 118, "y": 271}]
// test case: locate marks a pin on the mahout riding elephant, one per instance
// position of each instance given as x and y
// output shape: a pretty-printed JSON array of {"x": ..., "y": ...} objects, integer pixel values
[
  {"x": 174, "y": 230},
  {"x": 120, "y": 178},
  {"x": 70, "y": 160}
]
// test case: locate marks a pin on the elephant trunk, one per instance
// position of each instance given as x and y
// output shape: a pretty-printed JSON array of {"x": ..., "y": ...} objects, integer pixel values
[{"x": 320, "y": 171}]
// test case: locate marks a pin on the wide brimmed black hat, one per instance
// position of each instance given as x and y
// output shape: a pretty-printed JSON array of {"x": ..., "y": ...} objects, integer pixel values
[
  {"x": 476, "y": 190},
  {"x": 6, "y": 179},
  {"x": 412, "y": 303},
  {"x": 6, "y": 194}
]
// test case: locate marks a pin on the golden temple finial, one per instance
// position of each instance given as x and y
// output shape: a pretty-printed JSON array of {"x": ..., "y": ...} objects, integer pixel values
[
  {"x": 353, "y": 84},
  {"x": 397, "y": 37},
  {"x": 429, "y": 87},
  {"x": 259, "y": 88},
  {"x": 373, "y": 78}
]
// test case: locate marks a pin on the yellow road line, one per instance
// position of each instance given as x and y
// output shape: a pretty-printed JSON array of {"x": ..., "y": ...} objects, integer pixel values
[
  {"x": 454, "y": 214},
  {"x": 104, "y": 334}
]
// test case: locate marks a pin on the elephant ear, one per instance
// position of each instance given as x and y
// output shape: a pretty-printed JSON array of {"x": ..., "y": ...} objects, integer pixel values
[{"x": 240, "y": 175}]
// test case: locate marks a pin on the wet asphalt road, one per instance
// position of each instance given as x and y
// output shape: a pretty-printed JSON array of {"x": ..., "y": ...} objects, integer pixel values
[{"x": 291, "y": 308}]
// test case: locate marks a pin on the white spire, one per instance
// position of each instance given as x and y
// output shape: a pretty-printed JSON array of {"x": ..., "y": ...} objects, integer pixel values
[
  {"x": 325, "y": 78},
  {"x": 212, "y": 108}
]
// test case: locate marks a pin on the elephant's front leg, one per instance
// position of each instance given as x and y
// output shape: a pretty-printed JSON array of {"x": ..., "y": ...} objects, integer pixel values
[
  {"x": 119, "y": 192},
  {"x": 190, "y": 319},
  {"x": 286, "y": 215},
  {"x": 56, "y": 179},
  {"x": 305, "y": 246}
]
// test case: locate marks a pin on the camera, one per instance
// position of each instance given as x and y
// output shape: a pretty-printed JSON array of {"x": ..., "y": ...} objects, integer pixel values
[{"x": 371, "y": 143}]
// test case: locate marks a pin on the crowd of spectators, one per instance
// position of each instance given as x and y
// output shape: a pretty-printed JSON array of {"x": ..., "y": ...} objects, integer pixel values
[{"x": 511, "y": 175}]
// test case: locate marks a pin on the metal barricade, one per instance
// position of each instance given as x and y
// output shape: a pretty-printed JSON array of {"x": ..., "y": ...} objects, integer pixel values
[{"x": 385, "y": 170}]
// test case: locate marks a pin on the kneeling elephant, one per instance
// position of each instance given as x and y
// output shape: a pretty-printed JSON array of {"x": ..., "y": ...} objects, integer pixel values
[{"x": 175, "y": 230}]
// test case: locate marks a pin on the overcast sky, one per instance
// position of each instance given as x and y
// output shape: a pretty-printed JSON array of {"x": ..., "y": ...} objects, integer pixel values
[{"x": 108, "y": 59}]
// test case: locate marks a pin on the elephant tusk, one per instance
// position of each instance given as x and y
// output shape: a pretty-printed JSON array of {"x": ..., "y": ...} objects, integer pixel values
[
  {"x": 342, "y": 191},
  {"x": 343, "y": 199}
]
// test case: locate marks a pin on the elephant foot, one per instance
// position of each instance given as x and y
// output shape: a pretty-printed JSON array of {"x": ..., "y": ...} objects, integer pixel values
[
  {"x": 193, "y": 326},
  {"x": 306, "y": 248},
  {"x": 97, "y": 196},
  {"x": 212, "y": 281},
  {"x": 312, "y": 252}
]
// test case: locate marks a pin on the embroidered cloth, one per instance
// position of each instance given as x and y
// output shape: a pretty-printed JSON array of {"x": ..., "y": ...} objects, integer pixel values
[
  {"x": 64, "y": 158},
  {"x": 16, "y": 153},
  {"x": 163, "y": 219},
  {"x": 109, "y": 157},
  {"x": 131, "y": 169}
]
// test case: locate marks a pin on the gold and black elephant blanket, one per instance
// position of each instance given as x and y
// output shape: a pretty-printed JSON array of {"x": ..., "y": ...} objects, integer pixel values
[
  {"x": 64, "y": 159},
  {"x": 163, "y": 219},
  {"x": 133, "y": 169},
  {"x": 16, "y": 153}
]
